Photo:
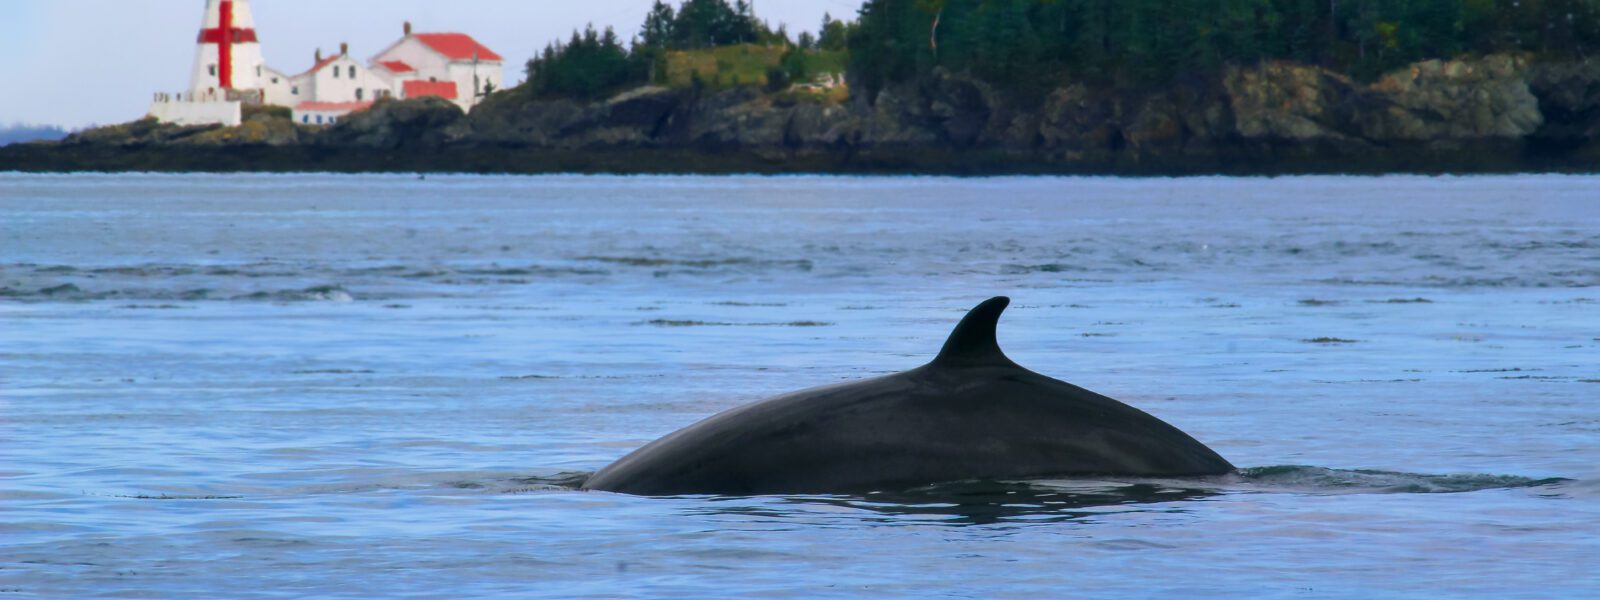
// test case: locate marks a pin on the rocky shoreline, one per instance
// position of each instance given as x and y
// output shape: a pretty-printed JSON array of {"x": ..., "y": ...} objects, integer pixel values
[{"x": 1499, "y": 113}]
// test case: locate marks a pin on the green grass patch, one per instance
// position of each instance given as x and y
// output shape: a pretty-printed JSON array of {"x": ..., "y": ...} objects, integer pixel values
[{"x": 744, "y": 65}]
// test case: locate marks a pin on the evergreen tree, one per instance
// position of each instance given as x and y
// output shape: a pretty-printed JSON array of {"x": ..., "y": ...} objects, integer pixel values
[
  {"x": 657, "y": 29},
  {"x": 833, "y": 34},
  {"x": 592, "y": 63}
]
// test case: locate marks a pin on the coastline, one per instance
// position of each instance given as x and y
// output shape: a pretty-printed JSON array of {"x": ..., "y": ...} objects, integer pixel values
[
  {"x": 1493, "y": 114},
  {"x": 1417, "y": 160}
]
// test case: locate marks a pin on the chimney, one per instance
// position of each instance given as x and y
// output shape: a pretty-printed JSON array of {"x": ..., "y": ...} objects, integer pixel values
[
  {"x": 344, "y": 48},
  {"x": 318, "y": 56},
  {"x": 408, "y": 27}
]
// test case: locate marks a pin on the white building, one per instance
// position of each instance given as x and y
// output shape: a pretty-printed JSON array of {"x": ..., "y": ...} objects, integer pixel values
[
  {"x": 333, "y": 87},
  {"x": 453, "y": 66},
  {"x": 227, "y": 70},
  {"x": 275, "y": 88}
]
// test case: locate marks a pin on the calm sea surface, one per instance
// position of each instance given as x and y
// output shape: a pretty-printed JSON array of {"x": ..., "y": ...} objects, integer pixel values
[{"x": 357, "y": 386}]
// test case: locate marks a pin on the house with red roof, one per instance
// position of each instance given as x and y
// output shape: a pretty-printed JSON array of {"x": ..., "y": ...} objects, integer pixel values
[
  {"x": 334, "y": 87},
  {"x": 453, "y": 66}
]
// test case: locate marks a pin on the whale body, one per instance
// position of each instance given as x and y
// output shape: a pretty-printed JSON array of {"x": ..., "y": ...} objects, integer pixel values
[{"x": 971, "y": 413}]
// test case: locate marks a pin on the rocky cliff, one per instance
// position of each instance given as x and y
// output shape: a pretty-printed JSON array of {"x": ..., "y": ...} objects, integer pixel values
[{"x": 1497, "y": 113}]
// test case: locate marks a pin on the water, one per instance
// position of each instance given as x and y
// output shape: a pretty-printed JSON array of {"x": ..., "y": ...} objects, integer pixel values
[{"x": 349, "y": 386}]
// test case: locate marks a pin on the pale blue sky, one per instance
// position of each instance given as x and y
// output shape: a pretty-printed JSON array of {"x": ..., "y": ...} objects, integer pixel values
[{"x": 77, "y": 62}]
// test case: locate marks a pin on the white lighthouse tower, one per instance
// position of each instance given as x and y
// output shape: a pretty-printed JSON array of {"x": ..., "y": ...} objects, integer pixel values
[
  {"x": 227, "y": 57},
  {"x": 228, "y": 70}
]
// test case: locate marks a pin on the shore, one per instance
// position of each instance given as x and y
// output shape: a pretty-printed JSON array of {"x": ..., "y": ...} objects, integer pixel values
[{"x": 1494, "y": 114}]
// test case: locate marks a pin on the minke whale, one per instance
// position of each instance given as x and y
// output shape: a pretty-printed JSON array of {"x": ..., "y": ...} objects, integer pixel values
[{"x": 971, "y": 413}]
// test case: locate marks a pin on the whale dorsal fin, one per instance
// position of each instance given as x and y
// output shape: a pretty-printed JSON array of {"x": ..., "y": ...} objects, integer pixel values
[{"x": 973, "y": 342}]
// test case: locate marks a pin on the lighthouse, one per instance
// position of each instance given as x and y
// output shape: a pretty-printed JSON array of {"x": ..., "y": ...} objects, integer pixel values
[
  {"x": 228, "y": 71},
  {"x": 227, "y": 56}
]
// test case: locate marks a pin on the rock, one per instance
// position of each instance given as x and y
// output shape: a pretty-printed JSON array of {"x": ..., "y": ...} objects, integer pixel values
[
  {"x": 635, "y": 117},
  {"x": 740, "y": 117},
  {"x": 1569, "y": 99},
  {"x": 260, "y": 129},
  {"x": 1074, "y": 118},
  {"x": 964, "y": 108},
  {"x": 1156, "y": 127},
  {"x": 899, "y": 116},
  {"x": 958, "y": 110},
  {"x": 1281, "y": 101},
  {"x": 815, "y": 124},
  {"x": 391, "y": 124},
  {"x": 1453, "y": 100},
  {"x": 146, "y": 131}
]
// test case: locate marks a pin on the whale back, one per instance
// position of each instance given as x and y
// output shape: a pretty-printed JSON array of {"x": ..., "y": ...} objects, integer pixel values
[{"x": 971, "y": 413}]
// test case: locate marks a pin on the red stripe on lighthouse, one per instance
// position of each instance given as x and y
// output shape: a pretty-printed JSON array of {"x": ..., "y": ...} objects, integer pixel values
[
  {"x": 225, "y": 36},
  {"x": 225, "y": 49}
]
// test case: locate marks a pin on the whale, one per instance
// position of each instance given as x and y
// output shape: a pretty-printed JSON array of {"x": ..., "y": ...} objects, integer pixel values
[{"x": 969, "y": 414}]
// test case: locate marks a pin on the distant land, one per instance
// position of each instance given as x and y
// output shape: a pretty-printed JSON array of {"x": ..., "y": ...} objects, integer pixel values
[
  {"x": 18, "y": 133},
  {"x": 974, "y": 87}
]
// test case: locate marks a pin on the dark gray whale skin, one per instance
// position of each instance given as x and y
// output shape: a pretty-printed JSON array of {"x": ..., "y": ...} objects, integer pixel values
[{"x": 969, "y": 414}]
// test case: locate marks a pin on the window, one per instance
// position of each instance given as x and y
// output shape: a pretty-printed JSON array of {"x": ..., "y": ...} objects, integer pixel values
[
  {"x": 274, "y": 79},
  {"x": 360, "y": 94},
  {"x": 295, "y": 90},
  {"x": 305, "y": 119},
  {"x": 332, "y": 120},
  {"x": 258, "y": 70},
  {"x": 336, "y": 71},
  {"x": 319, "y": 119},
  {"x": 212, "y": 68},
  {"x": 352, "y": 71}
]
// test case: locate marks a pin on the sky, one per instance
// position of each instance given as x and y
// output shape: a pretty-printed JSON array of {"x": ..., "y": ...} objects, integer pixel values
[{"x": 80, "y": 62}]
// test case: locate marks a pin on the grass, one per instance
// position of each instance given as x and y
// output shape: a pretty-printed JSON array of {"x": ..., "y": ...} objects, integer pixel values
[
  {"x": 741, "y": 65},
  {"x": 723, "y": 66}
]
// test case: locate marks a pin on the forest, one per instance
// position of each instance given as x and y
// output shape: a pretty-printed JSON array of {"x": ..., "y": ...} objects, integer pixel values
[
  {"x": 1152, "y": 41},
  {"x": 1028, "y": 45}
]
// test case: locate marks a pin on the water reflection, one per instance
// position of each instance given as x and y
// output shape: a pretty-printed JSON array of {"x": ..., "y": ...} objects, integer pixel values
[{"x": 966, "y": 502}]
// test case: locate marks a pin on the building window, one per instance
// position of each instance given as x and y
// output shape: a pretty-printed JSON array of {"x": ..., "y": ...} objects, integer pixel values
[
  {"x": 213, "y": 69},
  {"x": 352, "y": 71},
  {"x": 305, "y": 119},
  {"x": 336, "y": 71},
  {"x": 258, "y": 70},
  {"x": 360, "y": 94},
  {"x": 274, "y": 79},
  {"x": 295, "y": 90},
  {"x": 332, "y": 120},
  {"x": 319, "y": 119}
]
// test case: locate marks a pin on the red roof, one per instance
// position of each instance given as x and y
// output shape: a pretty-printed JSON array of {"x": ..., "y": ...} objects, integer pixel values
[
  {"x": 333, "y": 106},
  {"x": 419, "y": 88},
  {"x": 396, "y": 66},
  {"x": 322, "y": 63},
  {"x": 457, "y": 46}
]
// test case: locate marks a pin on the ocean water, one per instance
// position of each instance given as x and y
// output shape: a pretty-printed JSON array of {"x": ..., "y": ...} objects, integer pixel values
[{"x": 358, "y": 386}]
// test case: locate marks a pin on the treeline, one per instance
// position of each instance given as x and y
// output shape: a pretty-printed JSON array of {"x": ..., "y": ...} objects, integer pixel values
[
  {"x": 590, "y": 64},
  {"x": 595, "y": 63},
  {"x": 1037, "y": 42}
]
